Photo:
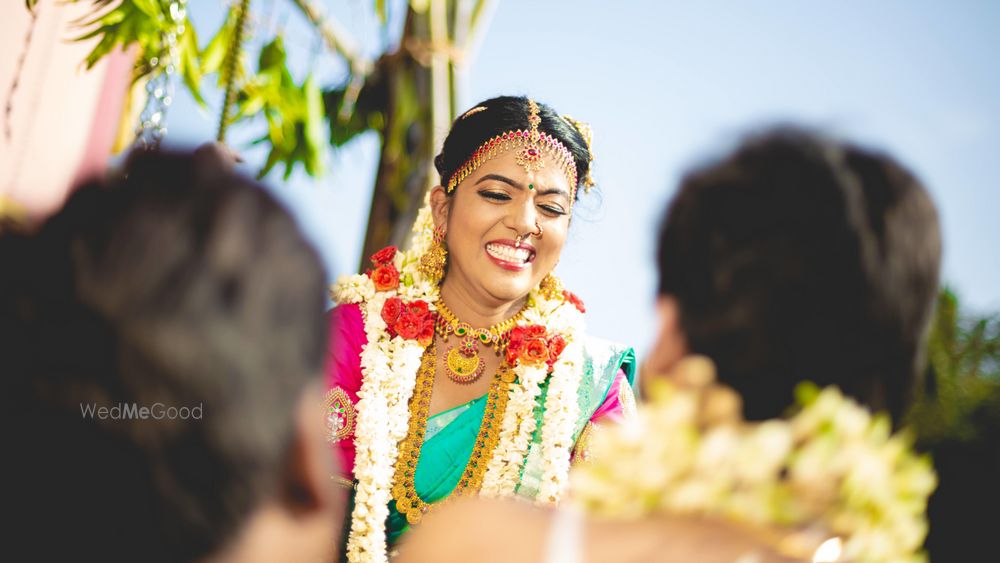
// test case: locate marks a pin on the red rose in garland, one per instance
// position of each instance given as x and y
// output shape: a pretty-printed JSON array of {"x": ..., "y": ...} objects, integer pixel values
[
  {"x": 573, "y": 299},
  {"x": 556, "y": 346},
  {"x": 418, "y": 308},
  {"x": 409, "y": 325},
  {"x": 391, "y": 309},
  {"x": 384, "y": 256},
  {"x": 385, "y": 277},
  {"x": 427, "y": 331},
  {"x": 531, "y": 345},
  {"x": 411, "y": 320}
]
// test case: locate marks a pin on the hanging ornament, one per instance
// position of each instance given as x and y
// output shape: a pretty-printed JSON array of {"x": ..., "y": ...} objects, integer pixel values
[
  {"x": 463, "y": 361},
  {"x": 160, "y": 88}
]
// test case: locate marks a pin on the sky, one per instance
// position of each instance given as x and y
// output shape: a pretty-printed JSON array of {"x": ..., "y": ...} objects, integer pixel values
[{"x": 666, "y": 85}]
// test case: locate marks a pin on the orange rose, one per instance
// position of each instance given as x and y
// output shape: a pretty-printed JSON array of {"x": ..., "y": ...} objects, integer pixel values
[
  {"x": 385, "y": 277},
  {"x": 427, "y": 331},
  {"x": 535, "y": 351}
]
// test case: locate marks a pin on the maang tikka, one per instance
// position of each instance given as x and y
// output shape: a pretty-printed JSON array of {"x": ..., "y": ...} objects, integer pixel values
[{"x": 434, "y": 258}]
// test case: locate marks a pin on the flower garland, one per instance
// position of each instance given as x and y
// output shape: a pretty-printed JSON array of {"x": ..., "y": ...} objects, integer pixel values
[
  {"x": 398, "y": 306},
  {"x": 831, "y": 470}
]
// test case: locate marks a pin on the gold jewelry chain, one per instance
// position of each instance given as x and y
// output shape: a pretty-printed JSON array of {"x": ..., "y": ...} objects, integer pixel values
[
  {"x": 404, "y": 491},
  {"x": 492, "y": 336}
]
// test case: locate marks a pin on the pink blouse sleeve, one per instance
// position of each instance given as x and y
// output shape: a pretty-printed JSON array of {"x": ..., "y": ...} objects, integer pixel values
[
  {"x": 343, "y": 380},
  {"x": 619, "y": 404}
]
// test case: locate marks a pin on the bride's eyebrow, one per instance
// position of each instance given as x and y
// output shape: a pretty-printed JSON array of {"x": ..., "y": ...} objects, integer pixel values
[
  {"x": 518, "y": 185},
  {"x": 499, "y": 178}
]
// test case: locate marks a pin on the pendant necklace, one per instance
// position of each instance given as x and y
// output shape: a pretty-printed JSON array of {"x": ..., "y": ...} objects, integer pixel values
[{"x": 463, "y": 361}]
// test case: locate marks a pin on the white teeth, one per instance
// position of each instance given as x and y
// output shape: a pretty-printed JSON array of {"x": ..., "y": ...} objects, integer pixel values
[{"x": 507, "y": 253}]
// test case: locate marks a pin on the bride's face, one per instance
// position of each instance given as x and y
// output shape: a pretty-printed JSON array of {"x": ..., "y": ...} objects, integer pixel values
[{"x": 487, "y": 212}]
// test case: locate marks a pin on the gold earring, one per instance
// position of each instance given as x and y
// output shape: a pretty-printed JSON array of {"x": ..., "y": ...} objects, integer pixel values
[
  {"x": 432, "y": 262},
  {"x": 550, "y": 287}
]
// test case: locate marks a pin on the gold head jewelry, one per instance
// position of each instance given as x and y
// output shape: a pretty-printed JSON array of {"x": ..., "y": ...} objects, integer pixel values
[
  {"x": 530, "y": 155},
  {"x": 588, "y": 136},
  {"x": 433, "y": 260},
  {"x": 533, "y": 146},
  {"x": 473, "y": 111}
]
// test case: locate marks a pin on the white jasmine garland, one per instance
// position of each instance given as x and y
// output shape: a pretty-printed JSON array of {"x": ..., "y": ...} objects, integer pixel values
[
  {"x": 389, "y": 367},
  {"x": 561, "y": 413},
  {"x": 352, "y": 289},
  {"x": 516, "y": 428},
  {"x": 832, "y": 466}
]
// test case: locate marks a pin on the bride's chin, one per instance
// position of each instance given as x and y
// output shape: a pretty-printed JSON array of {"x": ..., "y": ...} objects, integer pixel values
[{"x": 508, "y": 292}]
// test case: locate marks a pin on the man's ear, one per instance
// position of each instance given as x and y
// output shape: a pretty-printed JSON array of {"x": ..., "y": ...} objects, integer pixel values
[
  {"x": 309, "y": 481},
  {"x": 440, "y": 205}
]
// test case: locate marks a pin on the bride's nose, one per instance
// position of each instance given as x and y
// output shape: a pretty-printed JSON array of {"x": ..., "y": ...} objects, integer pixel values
[{"x": 523, "y": 218}]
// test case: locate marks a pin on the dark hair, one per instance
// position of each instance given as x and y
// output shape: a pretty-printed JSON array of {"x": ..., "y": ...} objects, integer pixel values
[
  {"x": 799, "y": 258},
  {"x": 184, "y": 285},
  {"x": 502, "y": 114}
]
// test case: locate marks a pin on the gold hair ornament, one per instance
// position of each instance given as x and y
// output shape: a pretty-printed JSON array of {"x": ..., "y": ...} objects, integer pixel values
[
  {"x": 473, "y": 111},
  {"x": 588, "y": 136},
  {"x": 533, "y": 145}
]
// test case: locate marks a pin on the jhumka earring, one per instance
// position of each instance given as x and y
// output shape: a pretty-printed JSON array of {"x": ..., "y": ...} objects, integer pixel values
[
  {"x": 551, "y": 287},
  {"x": 433, "y": 260}
]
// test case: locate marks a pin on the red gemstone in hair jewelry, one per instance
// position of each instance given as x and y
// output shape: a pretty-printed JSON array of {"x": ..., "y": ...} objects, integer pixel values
[{"x": 532, "y": 152}]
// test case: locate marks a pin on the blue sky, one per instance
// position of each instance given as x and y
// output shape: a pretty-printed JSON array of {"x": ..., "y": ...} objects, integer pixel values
[{"x": 668, "y": 84}]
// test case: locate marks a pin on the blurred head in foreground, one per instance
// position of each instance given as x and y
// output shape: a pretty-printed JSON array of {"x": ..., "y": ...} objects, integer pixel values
[
  {"x": 162, "y": 339},
  {"x": 795, "y": 258}
]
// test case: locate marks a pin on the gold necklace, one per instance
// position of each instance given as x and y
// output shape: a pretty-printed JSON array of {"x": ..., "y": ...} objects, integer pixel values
[
  {"x": 404, "y": 491},
  {"x": 463, "y": 361}
]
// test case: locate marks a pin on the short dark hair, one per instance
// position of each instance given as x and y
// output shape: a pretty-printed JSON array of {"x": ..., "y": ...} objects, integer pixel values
[
  {"x": 181, "y": 284},
  {"x": 502, "y": 114},
  {"x": 800, "y": 258}
]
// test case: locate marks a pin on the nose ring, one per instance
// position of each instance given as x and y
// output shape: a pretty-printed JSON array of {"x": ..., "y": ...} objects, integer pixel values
[{"x": 537, "y": 235}]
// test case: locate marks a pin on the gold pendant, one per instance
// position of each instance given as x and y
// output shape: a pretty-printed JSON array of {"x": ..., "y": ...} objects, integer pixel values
[{"x": 463, "y": 361}]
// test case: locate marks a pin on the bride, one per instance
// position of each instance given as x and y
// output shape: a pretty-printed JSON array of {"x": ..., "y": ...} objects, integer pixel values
[
  {"x": 794, "y": 258},
  {"x": 463, "y": 366}
]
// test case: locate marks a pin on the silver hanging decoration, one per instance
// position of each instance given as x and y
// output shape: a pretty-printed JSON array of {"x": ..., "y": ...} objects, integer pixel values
[{"x": 152, "y": 125}]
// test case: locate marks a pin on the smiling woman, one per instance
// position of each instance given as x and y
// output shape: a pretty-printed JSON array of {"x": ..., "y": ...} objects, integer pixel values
[{"x": 462, "y": 365}]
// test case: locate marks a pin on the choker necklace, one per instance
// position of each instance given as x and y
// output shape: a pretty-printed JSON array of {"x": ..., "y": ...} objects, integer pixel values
[{"x": 463, "y": 361}]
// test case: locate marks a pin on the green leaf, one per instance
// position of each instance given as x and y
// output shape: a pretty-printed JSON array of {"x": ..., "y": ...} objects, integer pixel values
[
  {"x": 189, "y": 65},
  {"x": 214, "y": 55},
  {"x": 272, "y": 56},
  {"x": 315, "y": 140},
  {"x": 148, "y": 7}
]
